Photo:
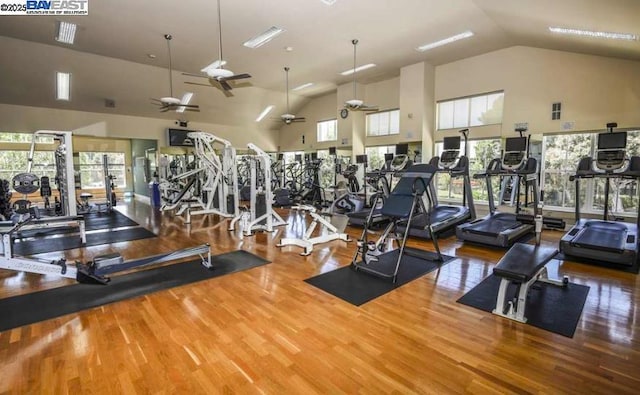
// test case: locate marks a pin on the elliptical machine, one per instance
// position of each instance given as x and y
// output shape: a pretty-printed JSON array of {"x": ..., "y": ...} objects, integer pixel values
[{"x": 349, "y": 202}]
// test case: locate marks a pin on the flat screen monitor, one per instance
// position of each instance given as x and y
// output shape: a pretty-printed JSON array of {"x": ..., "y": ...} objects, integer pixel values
[
  {"x": 298, "y": 158},
  {"x": 402, "y": 149},
  {"x": 516, "y": 144},
  {"x": 451, "y": 143},
  {"x": 612, "y": 140},
  {"x": 332, "y": 151},
  {"x": 388, "y": 157},
  {"x": 361, "y": 158},
  {"x": 280, "y": 156},
  {"x": 314, "y": 156},
  {"x": 179, "y": 138}
]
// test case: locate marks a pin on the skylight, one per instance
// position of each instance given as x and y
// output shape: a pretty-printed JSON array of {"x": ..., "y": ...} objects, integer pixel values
[
  {"x": 66, "y": 32},
  {"x": 264, "y": 113},
  {"x": 359, "y": 68},
  {"x": 263, "y": 37},
  {"x": 589, "y": 33},
  {"x": 63, "y": 86},
  {"x": 445, "y": 41}
]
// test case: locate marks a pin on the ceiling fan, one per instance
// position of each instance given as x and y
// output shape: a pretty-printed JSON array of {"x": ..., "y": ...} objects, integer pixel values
[
  {"x": 355, "y": 104},
  {"x": 288, "y": 117},
  {"x": 216, "y": 72},
  {"x": 170, "y": 102}
]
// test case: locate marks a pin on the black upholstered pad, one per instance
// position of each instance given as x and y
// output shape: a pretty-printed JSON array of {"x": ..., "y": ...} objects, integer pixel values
[{"x": 523, "y": 261}]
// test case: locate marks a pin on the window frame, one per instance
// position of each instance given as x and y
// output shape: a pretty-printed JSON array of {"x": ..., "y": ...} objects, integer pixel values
[
  {"x": 469, "y": 110},
  {"x": 390, "y": 128},
  {"x": 321, "y": 131},
  {"x": 120, "y": 182}
]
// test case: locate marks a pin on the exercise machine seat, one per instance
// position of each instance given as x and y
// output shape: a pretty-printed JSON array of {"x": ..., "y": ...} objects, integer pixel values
[{"x": 523, "y": 261}]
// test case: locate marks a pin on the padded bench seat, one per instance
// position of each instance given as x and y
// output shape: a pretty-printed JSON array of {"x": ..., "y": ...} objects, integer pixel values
[{"x": 523, "y": 261}]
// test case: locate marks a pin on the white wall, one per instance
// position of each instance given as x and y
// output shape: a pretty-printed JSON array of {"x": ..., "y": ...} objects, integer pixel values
[
  {"x": 593, "y": 90},
  {"x": 29, "y": 119},
  {"x": 321, "y": 108}
]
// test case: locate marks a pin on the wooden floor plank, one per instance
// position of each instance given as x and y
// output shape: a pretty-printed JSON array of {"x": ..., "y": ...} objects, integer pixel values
[{"x": 266, "y": 331}]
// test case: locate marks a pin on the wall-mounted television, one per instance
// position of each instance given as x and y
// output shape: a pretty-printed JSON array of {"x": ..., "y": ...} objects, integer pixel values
[
  {"x": 402, "y": 149},
  {"x": 179, "y": 138}
]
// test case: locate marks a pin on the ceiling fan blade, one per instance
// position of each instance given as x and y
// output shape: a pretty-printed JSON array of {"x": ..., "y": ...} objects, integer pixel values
[
  {"x": 197, "y": 109},
  {"x": 225, "y": 85},
  {"x": 299, "y": 120},
  {"x": 195, "y": 75},
  {"x": 155, "y": 100},
  {"x": 165, "y": 109},
  {"x": 237, "y": 77},
  {"x": 197, "y": 83}
]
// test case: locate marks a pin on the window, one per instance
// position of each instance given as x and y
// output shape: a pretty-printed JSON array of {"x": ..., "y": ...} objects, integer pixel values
[
  {"x": 561, "y": 155},
  {"x": 383, "y": 123},
  {"x": 477, "y": 110},
  {"x": 15, "y": 162},
  {"x": 481, "y": 152},
  {"x": 8, "y": 137},
  {"x": 327, "y": 130},
  {"x": 375, "y": 155},
  {"x": 91, "y": 171},
  {"x": 327, "y": 169}
]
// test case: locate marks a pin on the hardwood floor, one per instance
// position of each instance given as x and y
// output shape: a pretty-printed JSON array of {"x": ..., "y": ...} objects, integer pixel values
[{"x": 264, "y": 330}]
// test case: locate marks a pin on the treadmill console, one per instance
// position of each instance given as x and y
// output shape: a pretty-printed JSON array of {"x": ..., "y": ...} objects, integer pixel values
[
  {"x": 450, "y": 153},
  {"x": 515, "y": 153},
  {"x": 611, "y": 152},
  {"x": 399, "y": 162}
]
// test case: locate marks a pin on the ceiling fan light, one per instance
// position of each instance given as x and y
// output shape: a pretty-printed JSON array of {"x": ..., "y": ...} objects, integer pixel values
[
  {"x": 66, "y": 32},
  {"x": 215, "y": 65},
  {"x": 264, "y": 113},
  {"x": 594, "y": 34},
  {"x": 445, "y": 41},
  {"x": 359, "y": 68},
  {"x": 219, "y": 73},
  {"x": 354, "y": 103},
  {"x": 263, "y": 37}
]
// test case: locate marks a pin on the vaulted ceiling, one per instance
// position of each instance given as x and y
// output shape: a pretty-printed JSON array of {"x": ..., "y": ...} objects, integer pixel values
[{"x": 109, "y": 59}]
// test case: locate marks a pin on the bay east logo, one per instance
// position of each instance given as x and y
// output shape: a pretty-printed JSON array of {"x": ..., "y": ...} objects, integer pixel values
[{"x": 61, "y": 7}]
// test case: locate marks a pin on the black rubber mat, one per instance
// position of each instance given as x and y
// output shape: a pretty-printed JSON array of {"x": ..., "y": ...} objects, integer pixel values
[
  {"x": 51, "y": 244},
  {"x": 39, "y": 306},
  {"x": 358, "y": 287},
  {"x": 115, "y": 219},
  {"x": 92, "y": 221},
  {"x": 549, "y": 307}
]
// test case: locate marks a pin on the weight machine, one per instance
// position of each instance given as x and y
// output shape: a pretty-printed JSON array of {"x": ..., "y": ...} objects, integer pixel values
[
  {"x": 260, "y": 215},
  {"x": 328, "y": 231},
  {"x": 64, "y": 213},
  {"x": 212, "y": 187}
]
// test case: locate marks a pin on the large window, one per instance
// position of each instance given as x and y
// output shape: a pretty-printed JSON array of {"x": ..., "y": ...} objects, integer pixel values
[
  {"x": 8, "y": 137},
  {"x": 481, "y": 152},
  {"x": 375, "y": 155},
  {"x": 92, "y": 173},
  {"x": 485, "y": 109},
  {"x": 561, "y": 156},
  {"x": 383, "y": 123},
  {"x": 15, "y": 162},
  {"x": 327, "y": 130}
]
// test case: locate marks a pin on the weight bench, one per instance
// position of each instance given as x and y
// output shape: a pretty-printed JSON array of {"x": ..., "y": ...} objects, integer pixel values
[{"x": 523, "y": 265}]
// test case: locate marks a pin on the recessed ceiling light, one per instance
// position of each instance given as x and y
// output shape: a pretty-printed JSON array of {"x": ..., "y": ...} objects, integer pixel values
[
  {"x": 359, "y": 68},
  {"x": 63, "y": 86},
  {"x": 588, "y": 33},
  {"x": 263, "y": 38},
  {"x": 185, "y": 100},
  {"x": 264, "y": 113},
  {"x": 66, "y": 32},
  {"x": 303, "y": 86},
  {"x": 445, "y": 41},
  {"x": 329, "y": 2},
  {"x": 151, "y": 56}
]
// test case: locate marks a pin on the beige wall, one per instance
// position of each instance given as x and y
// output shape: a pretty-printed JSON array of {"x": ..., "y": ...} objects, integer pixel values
[
  {"x": 319, "y": 109},
  {"x": 593, "y": 90},
  {"x": 29, "y": 119}
]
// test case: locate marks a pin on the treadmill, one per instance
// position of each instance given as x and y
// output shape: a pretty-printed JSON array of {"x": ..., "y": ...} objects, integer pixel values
[
  {"x": 445, "y": 217},
  {"x": 604, "y": 241},
  {"x": 502, "y": 229}
]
